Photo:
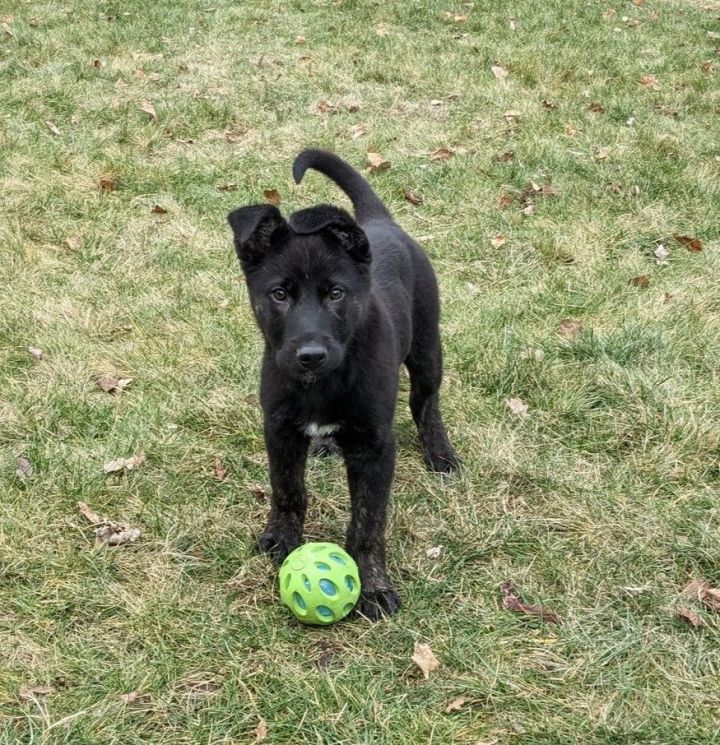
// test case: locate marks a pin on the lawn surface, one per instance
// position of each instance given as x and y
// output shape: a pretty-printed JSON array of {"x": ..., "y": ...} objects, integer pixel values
[{"x": 600, "y": 502}]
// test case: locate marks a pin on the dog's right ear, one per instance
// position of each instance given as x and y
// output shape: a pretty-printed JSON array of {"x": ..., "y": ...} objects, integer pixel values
[{"x": 257, "y": 229}]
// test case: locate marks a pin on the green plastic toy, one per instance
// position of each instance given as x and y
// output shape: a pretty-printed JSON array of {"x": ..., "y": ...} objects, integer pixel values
[{"x": 319, "y": 582}]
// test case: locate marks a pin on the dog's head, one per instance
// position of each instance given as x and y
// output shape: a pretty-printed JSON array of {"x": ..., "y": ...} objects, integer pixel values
[{"x": 308, "y": 280}]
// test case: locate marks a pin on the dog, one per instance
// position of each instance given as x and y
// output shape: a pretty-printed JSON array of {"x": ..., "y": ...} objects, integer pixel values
[{"x": 341, "y": 304}]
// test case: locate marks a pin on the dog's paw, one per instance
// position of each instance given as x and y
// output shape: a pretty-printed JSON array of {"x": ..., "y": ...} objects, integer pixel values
[
  {"x": 277, "y": 544},
  {"x": 443, "y": 460},
  {"x": 375, "y": 605},
  {"x": 324, "y": 447}
]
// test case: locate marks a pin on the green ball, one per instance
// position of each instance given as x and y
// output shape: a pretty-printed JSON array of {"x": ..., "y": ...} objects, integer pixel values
[{"x": 320, "y": 583}]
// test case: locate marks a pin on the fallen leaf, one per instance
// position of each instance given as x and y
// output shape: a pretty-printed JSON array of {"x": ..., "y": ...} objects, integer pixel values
[
  {"x": 692, "y": 244},
  {"x": 35, "y": 352},
  {"x": 667, "y": 297},
  {"x": 412, "y": 196},
  {"x": 90, "y": 515},
  {"x": 261, "y": 731},
  {"x": 158, "y": 210},
  {"x": 442, "y": 154},
  {"x": 300, "y": 39},
  {"x": 528, "y": 210},
  {"x": 638, "y": 3},
  {"x": 693, "y": 618},
  {"x": 98, "y": 63},
  {"x": 28, "y": 694},
  {"x": 454, "y": 17},
  {"x": 596, "y": 108},
  {"x": 571, "y": 130},
  {"x": 456, "y": 704},
  {"x": 510, "y": 115},
  {"x": 259, "y": 493},
  {"x": 227, "y": 187},
  {"x": 220, "y": 472},
  {"x": 358, "y": 130},
  {"x": 377, "y": 162},
  {"x": 425, "y": 659},
  {"x": 149, "y": 109},
  {"x": 107, "y": 183},
  {"x": 498, "y": 240},
  {"x": 651, "y": 82},
  {"x": 140, "y": 74},
  {"x": 135, "y": 697},
  {"x": 382, "y": 30},
  {"x": 108, "y": 531},
  {"x": 570, "y": 328},
  {"x": 504, "y": 201},
  {"x": 507, "y": 157},
  {"x": 325, "y": 107},
  {"x": 642, "y": 280},
  {"x": 73, "y": 242},
  {"x": 23, "y": 468},
  {"x": 124, "y": 464},
  {"x": 113, "y": 385},
  {"x": 661, "y": 253},
  {"x": 547, "y": 104},
  {"x": 709, "y": 66},
  {"x": 512, "y": 602},
  {"x": 433, "y": 552},
  {"x": 517, "y": 406},
  {"x": 52, "y": 128},
  {"x": 499, "y": 71},
  {"x": 352, "y": 107},
  {"x": 701, "y": 591},
  {"x": 272, "y": 196},
  {"x": 601, "y": 153}
]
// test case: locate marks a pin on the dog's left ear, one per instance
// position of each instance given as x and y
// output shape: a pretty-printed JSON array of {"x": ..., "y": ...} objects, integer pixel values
[
  {"x": 257, "y": 229},
  {"x": 338, "y": 226}
]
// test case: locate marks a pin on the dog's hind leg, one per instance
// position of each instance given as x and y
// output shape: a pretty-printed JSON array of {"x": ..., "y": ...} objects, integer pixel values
[{"x": 424, "y": 363}]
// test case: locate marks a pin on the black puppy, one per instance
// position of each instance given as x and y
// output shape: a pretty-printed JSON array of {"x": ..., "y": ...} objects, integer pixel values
[{"x": 341, "y": 303}]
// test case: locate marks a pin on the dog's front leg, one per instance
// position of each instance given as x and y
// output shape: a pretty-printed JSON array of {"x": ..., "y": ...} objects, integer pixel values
[
  {"x": 370, "y": 473},
  {"x": 287, "y": 453}
]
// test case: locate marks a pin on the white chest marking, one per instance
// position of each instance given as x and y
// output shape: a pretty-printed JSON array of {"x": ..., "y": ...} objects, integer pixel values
[{"x": 321, "y": 430}]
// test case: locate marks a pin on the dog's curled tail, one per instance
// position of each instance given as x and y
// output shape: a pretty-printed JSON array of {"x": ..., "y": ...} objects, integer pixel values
[{"x": 366, "y": 203}]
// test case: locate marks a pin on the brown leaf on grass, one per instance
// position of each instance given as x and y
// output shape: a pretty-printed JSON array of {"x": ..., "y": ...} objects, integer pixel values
[
  {"x": 300, "y": 39},
  {"x": 227, "y": 187},
  {"x": 424, "y": 658},
  {"x": 90, "y": 515},
  {"x": 511, "y": 115},
  {"x": 709, "y": 66},
  {"x": 52, "y": 128},
  {"x": 108, "y": 531},
  {"x": 454, "y": 17},
  {"x": 651, "y": 82},
  {"x": 304, "y": 59},
  {"x": 98, "y": 63},
  {"x": 499, "y": 71},
  {"x": 638, "y": 3},
  {"x": 124, "y": 464},
  {"x": 28, "y": 694},
  {"x": 259, "y": 493},
  {"x": 73, "y": 242},
  {"x": 642, "y": 280},
  {"x": 507, "y": 157},
  {"x": 547, "y": 104},
  {"x": 701, "y": 591},
  {"x": 434, "y": 552},
  {"x": 113, "y": 385},
  {"x": 272, "y": 196},
  {"x": 261, "y": 731},
  {"x": 511, "y": 601},
  {"x": 517, "y": 406},
  {"x": 107, "y": 183},
  {"x": 358, "y": 130},
  {"x": 377, "y": 162},
  {"x": 570, "y": 328},
  {"x": 147, "y": 108},
  {"x": 596, "y": 108},
  {"x": 571, "y": 130},
  {"x": 158, "y": 209},
  {"x": 504, "y": 201},
  {"x": 412, "y": 196},
  {"x": 325, "y": 107},
  {"x": 442, "y": 154},
  {"x": 601, "y": 153},
  {"x": 23, "y": 468},
  {"x": 691, "y": 617},
  {"x": 528, "y": 210},
  {"x": 498, "y": 240},
  {"x": 456, "y": 704},
  {"x": 692, "y": 244},
  {"x": 135, "y": 697},
  {"x": 220, "y": 472},
  {"x": 35, "y": 352}
]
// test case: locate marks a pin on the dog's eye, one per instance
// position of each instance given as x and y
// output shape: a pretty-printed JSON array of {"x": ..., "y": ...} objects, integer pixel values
[
  {"x": 279, "y": 294},
  {"x": 336, "y": 293}
]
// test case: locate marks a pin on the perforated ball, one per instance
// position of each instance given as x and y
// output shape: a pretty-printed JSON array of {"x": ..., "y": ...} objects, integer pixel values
[{"x": 320, "y": 583}]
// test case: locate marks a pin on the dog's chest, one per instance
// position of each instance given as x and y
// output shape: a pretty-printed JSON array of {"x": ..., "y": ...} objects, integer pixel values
[{"x": 313, "y": 429}]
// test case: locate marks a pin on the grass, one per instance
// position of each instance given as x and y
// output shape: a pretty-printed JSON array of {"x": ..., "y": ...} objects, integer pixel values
[{"x": 600, "y": 504}]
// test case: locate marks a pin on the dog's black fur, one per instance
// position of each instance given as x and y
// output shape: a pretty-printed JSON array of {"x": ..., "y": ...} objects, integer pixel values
[{"x": 341, "y": 303}]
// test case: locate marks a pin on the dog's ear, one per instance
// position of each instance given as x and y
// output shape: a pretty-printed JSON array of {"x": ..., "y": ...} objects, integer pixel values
[
  {"x": 336, "y": 225},
  {"x": 257, "y": 229}
]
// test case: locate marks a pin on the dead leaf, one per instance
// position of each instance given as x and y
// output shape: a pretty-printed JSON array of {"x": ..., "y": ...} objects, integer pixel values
[
  {"x": 134, "y": 697},
  {"x": 382, "y": 30},
  {"x": 498, "y": 240},
  {"x": 98, "y": 63},
  {"x": 547, "y": 104},
  {"x": 528, "y": 210},
  {"x": 220, "y": 472},
  {"x": 358, "y": 130},
  {"x": 107, "y": 183},
  {"x": 259, "y": 493},
  {"x": 412, "y": 196},
  {"x": 28, "y": 694},
  {"x": 456, "y": 704},
  {"x": 709, "y": 66},
  {"x": 108, "y": 531},
  {"x": 23, "y": 468},
  {"x": 601, "y": 153},
  {"x": 661, "y": 253},
  {"x": 667, "y": 297},
  {"x": 642, "y": 280},
  {"x": 124, "y": 464},
  {"x": 272, "y": 196},
  {"x": 227, "y": 187},
  {"x": 261, "y": 731},
  {"x": 510, "y": 115},
  {"x": 504, "y": 201},
  {"x": 692, "y": 244},
  {"x": 424, "y": 658},
  {"x": 571, "y": 130},
  {"x": 158, "y": 210},
  {"x": 434, "y": 552},
  {"x": 570, "y": 328},
  {"x": 113, "y": 385},
  {"x": 517, "y": 406},
  {"x": 90, "y": 515},
  {"x": 507, "y": 157},
  {"x": 638, "y": 3},
  {"x": 300, "y": 39},
  {"x": 52, "y": 128},
  {"x": 454, "y": 17},
  {"x": 35, "y": 352},
  {"x": 651, "y": 82},
  {"x": 499, "y": 71},
  {"x": 377, "y": 162},
  {"x": 442, "y": 154},
  {"x": 701, "y": 591},
  {"x": 325, "y": 107},
  {"x": 512, "y": 602},
  {"x": 596, "y": 108},
  {"x": 73, "y": 242},
  {"x": 693, "y": 618},
  {"x": 149, "y": 109}
]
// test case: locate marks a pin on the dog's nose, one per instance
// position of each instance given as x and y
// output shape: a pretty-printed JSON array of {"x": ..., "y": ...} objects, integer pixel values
[{"x": 311, "y": 356}]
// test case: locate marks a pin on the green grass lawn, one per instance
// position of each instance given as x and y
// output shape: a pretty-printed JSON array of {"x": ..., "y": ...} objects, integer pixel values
[{"x": 600, "y": 502}]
